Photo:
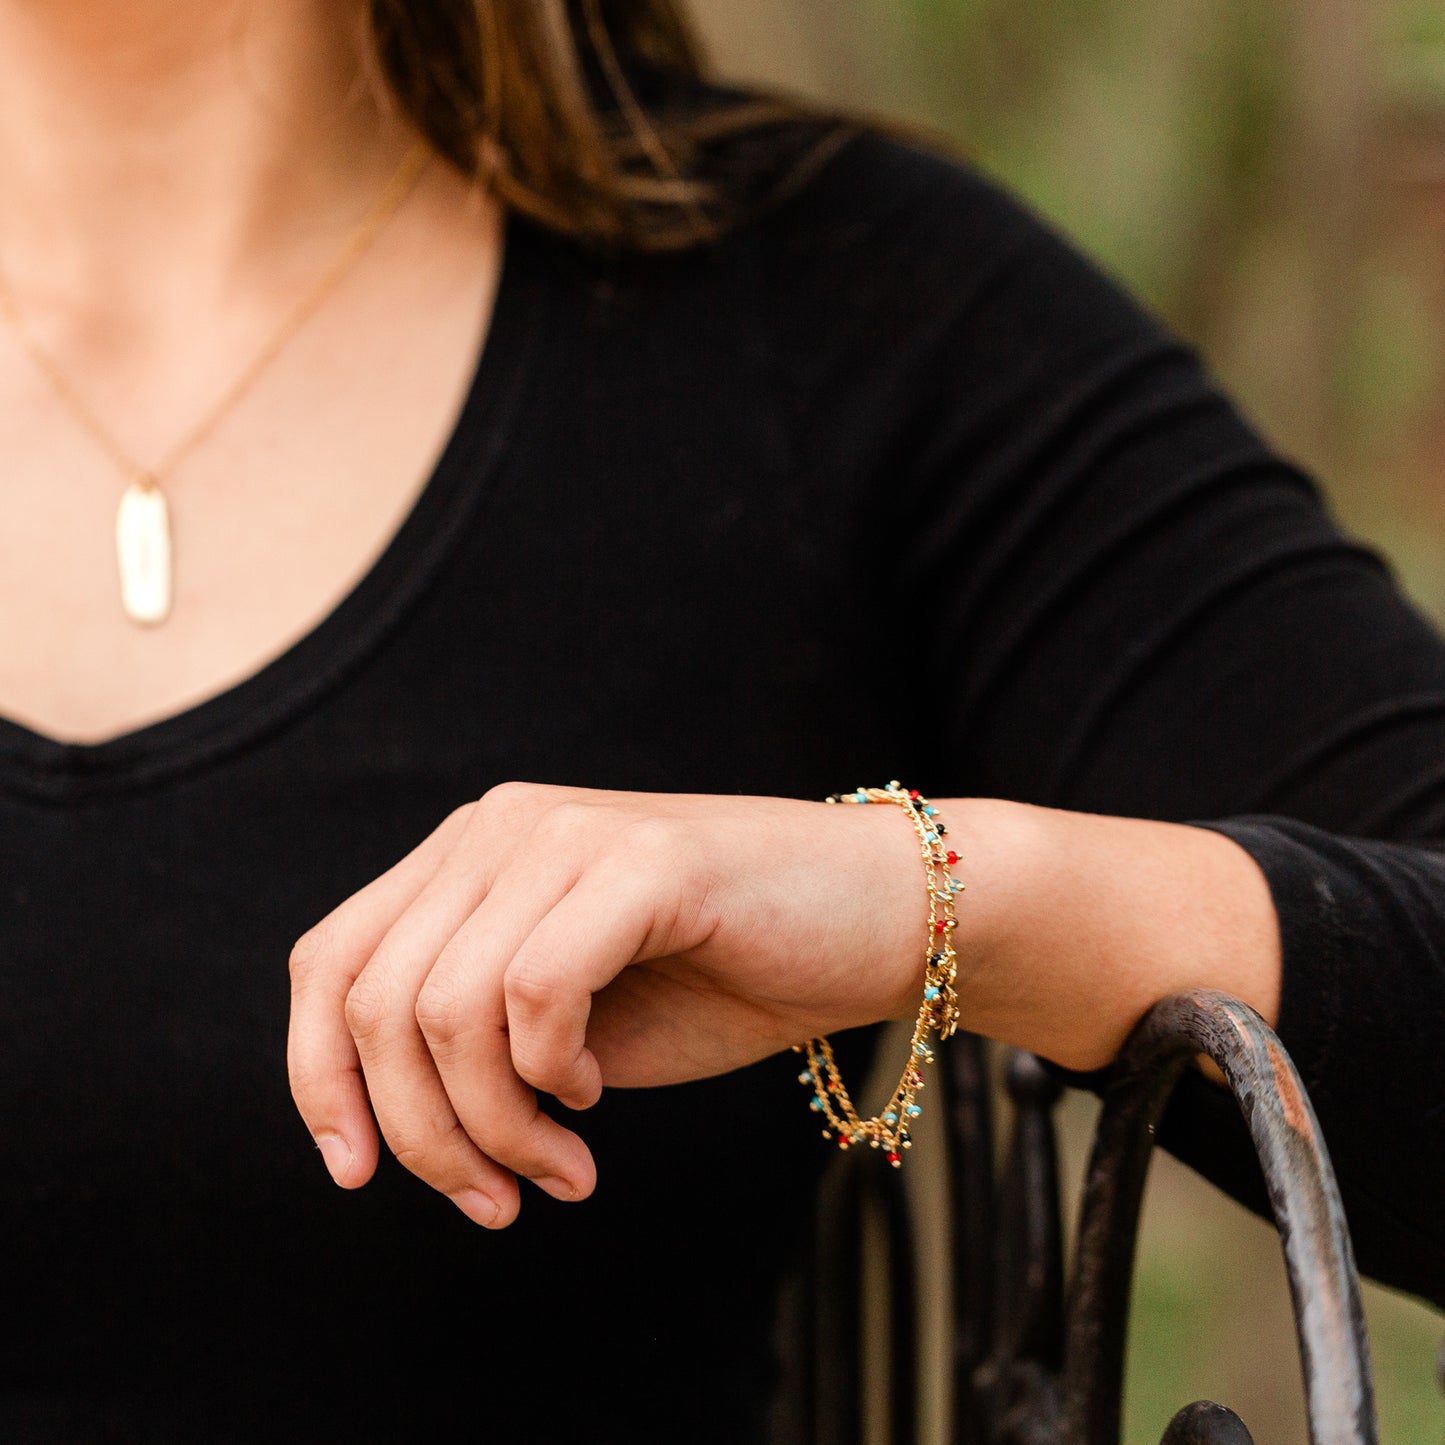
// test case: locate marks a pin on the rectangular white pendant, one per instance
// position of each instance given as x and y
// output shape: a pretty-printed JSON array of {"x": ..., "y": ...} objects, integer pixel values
[{"x": 143, "y": 550}]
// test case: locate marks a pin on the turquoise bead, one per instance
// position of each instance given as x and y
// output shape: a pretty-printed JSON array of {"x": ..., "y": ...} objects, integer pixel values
[
  {"x": 890, "y": 1117},
  {"x": 930, "y": 994},
  {"x": 931, "y": 836},
  {"x": 929, "y": 811},
  {"x": 816, "y": 1107},
  {"x": 920, "y": 1050},
  {"x": 914, "y": 1111}
]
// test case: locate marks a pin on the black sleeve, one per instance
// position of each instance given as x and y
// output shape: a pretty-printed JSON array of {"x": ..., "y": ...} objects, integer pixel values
[{"x": 1124, "y": 601}]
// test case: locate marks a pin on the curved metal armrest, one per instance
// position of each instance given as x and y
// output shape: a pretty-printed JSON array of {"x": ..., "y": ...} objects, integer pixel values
[{"x": 1306, "y": 1203}]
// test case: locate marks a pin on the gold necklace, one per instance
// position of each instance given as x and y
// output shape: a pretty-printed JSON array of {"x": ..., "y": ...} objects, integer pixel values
[{"x": 142, "y": 522}]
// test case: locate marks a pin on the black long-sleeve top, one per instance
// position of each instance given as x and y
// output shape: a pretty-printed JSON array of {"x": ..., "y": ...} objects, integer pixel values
[{"x": 890, "y": 481}]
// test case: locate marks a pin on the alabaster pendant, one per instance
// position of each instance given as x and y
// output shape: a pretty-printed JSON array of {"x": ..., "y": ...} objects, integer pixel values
[{"x": 143, "y": 550}]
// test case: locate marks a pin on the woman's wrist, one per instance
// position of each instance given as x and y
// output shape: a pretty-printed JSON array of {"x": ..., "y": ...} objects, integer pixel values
[
  {"x": 1072, "y": 924},
  {"x": 890, "y": 1128},
  {"x": 989, "y": 840}
]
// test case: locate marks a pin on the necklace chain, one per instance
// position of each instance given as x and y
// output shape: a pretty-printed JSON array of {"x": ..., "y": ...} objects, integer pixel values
[{"x": 386, "y": 205}]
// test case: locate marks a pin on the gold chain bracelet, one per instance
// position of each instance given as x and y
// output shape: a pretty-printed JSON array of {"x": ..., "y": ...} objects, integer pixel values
[{"x": 890, "y": 1129}]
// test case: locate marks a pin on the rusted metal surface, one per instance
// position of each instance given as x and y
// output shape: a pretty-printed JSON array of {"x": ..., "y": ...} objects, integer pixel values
[
  {"x": 1034, "y": 1364},
  {"x": 837, "y": 1353},
  {"x": 964, "y": 1081},
  {"x": 1205, "y": 1423},
  {"x": 837, "y": 1372},
  {"x": 1318, "y": 1257},
  {"x": 1017, "y": 1383},
  {"x": 888, "y": 1191}
]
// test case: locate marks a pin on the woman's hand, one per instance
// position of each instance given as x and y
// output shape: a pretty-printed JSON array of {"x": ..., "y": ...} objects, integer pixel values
[{"x": 560, "y": 939}]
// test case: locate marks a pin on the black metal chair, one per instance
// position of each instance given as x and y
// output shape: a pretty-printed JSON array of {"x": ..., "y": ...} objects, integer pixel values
[{"x": 1036, "y": 1359}]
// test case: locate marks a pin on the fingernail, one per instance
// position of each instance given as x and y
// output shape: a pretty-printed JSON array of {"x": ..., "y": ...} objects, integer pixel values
[
  {"x": 478, "y": 1207},
  {"x": 337, "y": 1154},
  {"x": 562, "y": 1189}
]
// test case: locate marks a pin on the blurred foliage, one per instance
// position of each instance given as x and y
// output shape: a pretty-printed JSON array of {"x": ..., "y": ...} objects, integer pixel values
[
  {"x": 1269, "y": 175},
  {"x": 1212, "y": 1319}
]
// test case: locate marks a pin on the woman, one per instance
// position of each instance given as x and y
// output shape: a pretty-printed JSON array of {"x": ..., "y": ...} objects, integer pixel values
[{"x": 526, "y": 558}]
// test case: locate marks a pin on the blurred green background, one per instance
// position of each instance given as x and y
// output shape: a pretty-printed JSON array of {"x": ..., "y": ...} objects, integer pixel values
[{"x": 1269, "y": 175}]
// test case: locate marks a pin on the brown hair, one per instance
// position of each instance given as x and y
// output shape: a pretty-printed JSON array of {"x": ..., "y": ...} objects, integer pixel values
[{"x": 547, "y": 102}]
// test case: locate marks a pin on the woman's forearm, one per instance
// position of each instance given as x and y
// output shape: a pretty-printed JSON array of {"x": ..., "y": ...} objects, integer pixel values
[
  {"x": 1073, "y": 924},
  {"x": 550, "y": 939}
]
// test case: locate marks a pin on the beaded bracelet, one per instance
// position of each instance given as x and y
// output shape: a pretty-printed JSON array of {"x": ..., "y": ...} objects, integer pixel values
[{"x": 889, "y": 1130}]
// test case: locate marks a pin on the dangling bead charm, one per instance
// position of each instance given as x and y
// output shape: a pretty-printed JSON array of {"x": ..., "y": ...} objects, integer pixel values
[{"x": 888, "y": 1131}]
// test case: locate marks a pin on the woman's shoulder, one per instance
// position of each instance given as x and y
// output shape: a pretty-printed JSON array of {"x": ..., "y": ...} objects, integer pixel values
[
  {"x": 834, "y": 174},
  {"x": 827, "y": 212},
  {"x": 876, "y": 179},
  {"x": 881, "y": 282},
  {"x": 866, "y": 215}
]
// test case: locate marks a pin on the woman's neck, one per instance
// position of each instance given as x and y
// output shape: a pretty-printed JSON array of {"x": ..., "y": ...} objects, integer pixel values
[{"x": 153, "y": 151}]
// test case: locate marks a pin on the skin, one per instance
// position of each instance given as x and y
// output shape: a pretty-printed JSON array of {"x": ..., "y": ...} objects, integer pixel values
[
  {"x": 561, "y": 940},
  {"x": 167, "y": 163},
  {"x": 166, "y": 160}
]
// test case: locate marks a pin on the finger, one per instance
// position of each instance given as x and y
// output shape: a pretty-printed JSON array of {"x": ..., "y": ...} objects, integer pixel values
[
  {"x": 606, "y": 922},
  {"x": 463, "y": 1016},
  {"x": 321, "y": 1056},
  {"x": 407, "y": 1095},
  {"x": 638, "y": 900}
]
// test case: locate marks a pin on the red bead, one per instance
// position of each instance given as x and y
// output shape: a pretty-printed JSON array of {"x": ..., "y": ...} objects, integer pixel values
[
  {"x": 940, "y": 926},
  {"x": 892, "y": 1158},
  {"x": 952, "y": 857},
  {"x": 914, "y": 794}
]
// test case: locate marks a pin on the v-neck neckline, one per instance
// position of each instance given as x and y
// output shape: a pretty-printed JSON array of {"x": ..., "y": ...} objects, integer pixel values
[{"x": 41, "y": 765}]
